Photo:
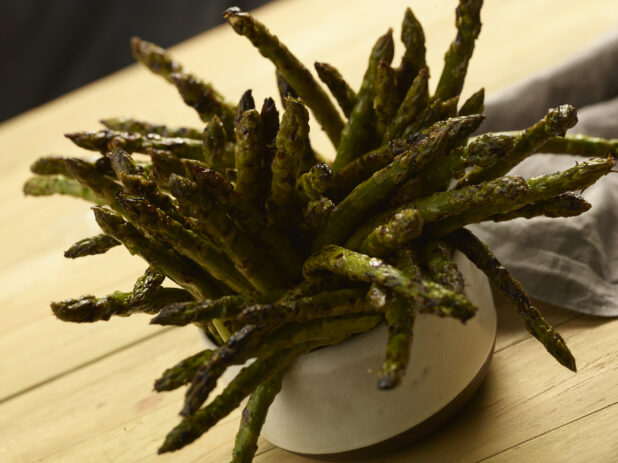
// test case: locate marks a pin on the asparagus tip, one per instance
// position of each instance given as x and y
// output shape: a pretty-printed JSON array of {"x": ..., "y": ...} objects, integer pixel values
[
  {"x": 564, "y": 357},
  {"x": 386, "y": 382},
  {"x": 233, "y": 12},
  {"x": 82, "y": 310},
  {"x": 187, "y": 410},
  {"x": 572, "y": 365},
  {"x": 170, "y": 315}
]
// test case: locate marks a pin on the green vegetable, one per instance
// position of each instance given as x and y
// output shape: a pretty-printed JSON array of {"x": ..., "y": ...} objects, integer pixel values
[
  {"x": 137, "y": 143},
  {"x": 253, "y": 417},
  {"x": 468, "y": 22},
  {"x": 246, "y": 381},
  {"x": 414, "y": 101},
  {"x": 290, "y": 68},
  {"x": 98, "y": 244},
  {"x": 429, "y": 296},
  {"x": 357, "y": 133},
  {"x": 413, "y": 59},
  {"x": 250, "y": 165},
  {"x": 401, "y": 228},
  {"x": 343, "y": 93},
  {"x": 59, "y": 184},
  {"x": 386, "y": 100},
  {"x": 363, "y": 200},
  {"x": 474, "y": 104},
  {"x": 291, "y": 145},
  {"x": 510, "y": 288},
  {"x": 555, "y": 123},
  {"x": 127, "y": 124},
  {"x": 400, "y": 320},
  {"x": 437, "y": 257},
  {"x": 540, "y": 188},
  {"x": 564, "y": 205},
  {"x": 147, "y": 296}
]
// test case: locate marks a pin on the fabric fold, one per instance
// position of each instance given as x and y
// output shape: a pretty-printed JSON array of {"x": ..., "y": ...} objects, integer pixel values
[{"x": 571, "y": 263}]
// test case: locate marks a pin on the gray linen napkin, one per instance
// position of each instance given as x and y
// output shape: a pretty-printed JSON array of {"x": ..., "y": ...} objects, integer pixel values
[{"x": 572, "y": 263}]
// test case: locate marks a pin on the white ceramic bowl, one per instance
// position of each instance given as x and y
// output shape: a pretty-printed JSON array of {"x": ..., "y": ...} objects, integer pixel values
[{"x": 330, "y": 404}]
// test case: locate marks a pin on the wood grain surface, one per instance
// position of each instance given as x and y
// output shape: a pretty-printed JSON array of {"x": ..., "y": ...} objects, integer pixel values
[{"x": 84, "y": 393}]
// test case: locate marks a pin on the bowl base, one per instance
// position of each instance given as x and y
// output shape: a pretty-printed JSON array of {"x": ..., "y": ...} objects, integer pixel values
[{"x": 418, "y": 431}]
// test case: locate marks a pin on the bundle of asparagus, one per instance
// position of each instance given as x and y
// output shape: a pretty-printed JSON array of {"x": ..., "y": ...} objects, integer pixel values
[{"x": 276, "y": 251}]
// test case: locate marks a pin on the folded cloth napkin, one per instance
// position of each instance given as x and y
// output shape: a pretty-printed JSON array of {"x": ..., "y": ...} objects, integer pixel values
[{"x": 572, "y": 263}]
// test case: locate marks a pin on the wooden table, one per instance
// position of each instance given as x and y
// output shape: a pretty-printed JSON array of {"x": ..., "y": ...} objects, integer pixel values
[{"x": 84, "y": 393}]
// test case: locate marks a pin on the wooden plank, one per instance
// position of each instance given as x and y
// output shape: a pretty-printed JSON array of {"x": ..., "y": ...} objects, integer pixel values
[
  {"x": 525, "y": 395},
  {"x": 591, "y": 438},
  {"x": 109, "y": 409},
  {"x": 38, "y": 345}
]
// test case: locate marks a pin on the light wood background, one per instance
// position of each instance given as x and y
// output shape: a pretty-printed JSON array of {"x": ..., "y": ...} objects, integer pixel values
[{"x": 84, "y": 393}]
